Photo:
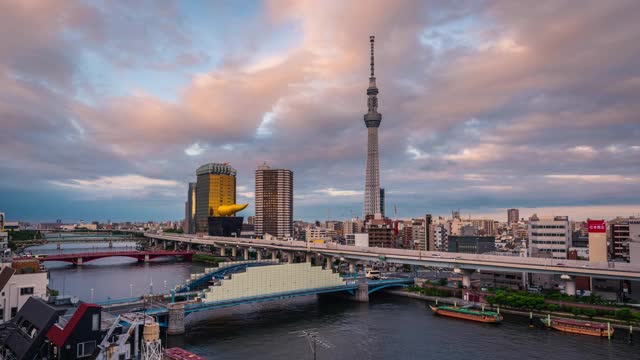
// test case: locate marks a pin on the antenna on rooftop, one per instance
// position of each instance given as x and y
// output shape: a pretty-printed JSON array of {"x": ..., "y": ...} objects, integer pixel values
[{"x": 314, "y": 339}]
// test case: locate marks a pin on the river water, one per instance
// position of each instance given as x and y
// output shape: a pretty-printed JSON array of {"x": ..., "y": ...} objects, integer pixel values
[{"x": 388, "y": 327}]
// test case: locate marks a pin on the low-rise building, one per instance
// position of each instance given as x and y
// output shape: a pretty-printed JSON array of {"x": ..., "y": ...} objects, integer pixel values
[
  {"x": 358, "y": 239},
  {"x": 471, "y": 244},
  {"x": 4, "y": 240},
  {"x": 318, "y": 233},
  {"x": 19, "y": 281},
  {"x": 549, "y": 237}
]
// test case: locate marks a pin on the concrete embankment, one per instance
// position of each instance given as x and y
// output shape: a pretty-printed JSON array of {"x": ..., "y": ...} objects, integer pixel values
[{"x": 538, "y": 314}]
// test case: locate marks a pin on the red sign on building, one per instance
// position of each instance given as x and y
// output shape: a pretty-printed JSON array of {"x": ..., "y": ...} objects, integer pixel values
[{"x": 597, "y": 226}]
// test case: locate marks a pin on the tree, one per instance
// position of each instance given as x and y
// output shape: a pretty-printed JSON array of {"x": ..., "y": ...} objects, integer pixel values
[
  {"x": 576, "y": 311},
  {"x": 624, "y": 314},
  {"x": 443, "y": 282},
  {"x": 590, "y": 313}
]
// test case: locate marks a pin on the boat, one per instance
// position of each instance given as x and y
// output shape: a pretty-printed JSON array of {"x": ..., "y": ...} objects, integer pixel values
[
  {"x": 578, "y": 326},
  {"x": 467, "y": 313}
]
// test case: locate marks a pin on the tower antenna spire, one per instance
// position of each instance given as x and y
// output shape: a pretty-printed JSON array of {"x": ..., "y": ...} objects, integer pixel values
[
  {"x": 372, "y": 39},
  {"x": 372, "y": 121}
]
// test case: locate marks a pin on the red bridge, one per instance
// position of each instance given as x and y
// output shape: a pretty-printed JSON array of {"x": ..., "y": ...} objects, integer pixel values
[{"x": 81, "y": 258}]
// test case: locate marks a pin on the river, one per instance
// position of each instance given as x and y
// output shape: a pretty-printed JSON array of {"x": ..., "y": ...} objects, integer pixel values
[{"x": 388, "y": 327}]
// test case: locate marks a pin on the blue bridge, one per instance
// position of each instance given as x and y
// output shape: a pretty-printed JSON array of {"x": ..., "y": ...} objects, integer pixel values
[{"x": 285, "y": 282}]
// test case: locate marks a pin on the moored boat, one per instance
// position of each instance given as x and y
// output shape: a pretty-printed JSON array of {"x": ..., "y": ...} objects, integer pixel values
[
  {"x": 578, "y": 326},
  {"x": 467, "y": 314}
]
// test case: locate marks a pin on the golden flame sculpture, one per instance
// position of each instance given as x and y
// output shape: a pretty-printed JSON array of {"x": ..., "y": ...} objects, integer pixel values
[{"x": 228, "y": 210}]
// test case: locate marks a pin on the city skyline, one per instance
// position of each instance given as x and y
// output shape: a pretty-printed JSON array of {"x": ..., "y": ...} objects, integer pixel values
[{"x": 486, "y": 109}]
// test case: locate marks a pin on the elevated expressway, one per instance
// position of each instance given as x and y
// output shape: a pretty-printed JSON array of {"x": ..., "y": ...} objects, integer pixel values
[{"x": 462, "y": 263}]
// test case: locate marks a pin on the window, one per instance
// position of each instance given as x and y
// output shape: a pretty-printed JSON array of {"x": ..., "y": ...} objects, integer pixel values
[
  {"x": 95, "y": 322},
  {"x": 26, "y": 291},
  {"x": 14, "y": 311},
  {"x": 86, "y": 348}
]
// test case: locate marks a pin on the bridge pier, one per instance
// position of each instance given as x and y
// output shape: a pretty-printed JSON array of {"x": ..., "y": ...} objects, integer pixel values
[
  {"x": 329, "y": 264},
  {"x": 362, "y": 293},
  {"x": 245, "y": 254},
  {"x": 79, "y": 261},
  {"x": 164, "y": 245},
  {"x": 352, "y": 267},
  {"x": 175, "y": 319},
  {"x": 466, "y": 276},
  {"x": 569, "y": 285},
  {"x": 274, "y": 255},
  {"x": 146, "y": 258},
  {"x": 189, "y": 247},
  {"x": 290, "y": 257},
  {"x": 307, "y": 257},
  {"x": 258, "y": 254},
  {"x": 234, "y": 252}
]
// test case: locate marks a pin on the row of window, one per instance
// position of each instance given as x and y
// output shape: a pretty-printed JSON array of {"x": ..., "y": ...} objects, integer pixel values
[
  {"x": 533, "y": 226},
  {"x": 552, "y": 250},
  {"x": 549, "y": 234},
  {"x": 549, "y": 242}
]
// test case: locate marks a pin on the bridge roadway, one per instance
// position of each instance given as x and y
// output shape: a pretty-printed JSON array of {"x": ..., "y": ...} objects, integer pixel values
[
  {"x": 81, "y": 258},
  {"x": 69, "y": 238},
  {"x": 465, "y": 263}
]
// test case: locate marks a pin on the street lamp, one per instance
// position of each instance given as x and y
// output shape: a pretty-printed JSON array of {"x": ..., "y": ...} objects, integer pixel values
[
  {"x": 130, "y": 290},
  {"x": 91, "y": 294}
]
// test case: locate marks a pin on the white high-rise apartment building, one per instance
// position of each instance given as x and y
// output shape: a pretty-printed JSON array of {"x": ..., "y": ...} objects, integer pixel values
[
  {"x": 274, "y": 202},
  {"x": 549, "y": 237}
]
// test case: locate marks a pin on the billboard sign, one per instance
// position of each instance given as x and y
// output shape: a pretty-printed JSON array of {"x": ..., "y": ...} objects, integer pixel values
[{"x": 597, "y": 226}]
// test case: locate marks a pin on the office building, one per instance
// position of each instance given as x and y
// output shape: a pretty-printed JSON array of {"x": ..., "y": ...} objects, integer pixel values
[
  {"x": 320, "y": 234},
  {"x": 357, "y": 239},
  {"x": 382, "y": 202},
  {"x": 549, "y": 237},
  {"x": 418, "y": 234},
  {"x": 483, "y": 227},
  {"x": 513, "y": 216},
  {"x": 597, "y": 241},
  {"x": 471, "y": 244},
  {"x": 621, "y": 237},
  {"x": 190, "y": 210},
  {"x": 440, "y": 237},
  {"x": 634, "y": 241},
  {"x": 216, "y": 198},
  {"x": 428, "y": 232},
  {"x": 274, "y": 202},
  {"x": 372, "y": 121},
  {"x": 381, "y": 233}
]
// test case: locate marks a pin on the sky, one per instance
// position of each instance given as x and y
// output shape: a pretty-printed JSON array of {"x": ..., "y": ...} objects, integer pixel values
[{"x": 108, "y": 107}]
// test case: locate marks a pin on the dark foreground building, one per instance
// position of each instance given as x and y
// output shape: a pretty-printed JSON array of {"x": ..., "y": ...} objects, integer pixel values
[
  {"x": 62, "y": 328},
  {"x": 225, "y": 225}
]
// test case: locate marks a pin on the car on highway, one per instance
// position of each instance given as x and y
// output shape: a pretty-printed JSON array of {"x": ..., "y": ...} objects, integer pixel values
[
  {"x": 435, "y": 255},
  {"x": 373, "y": 274}
]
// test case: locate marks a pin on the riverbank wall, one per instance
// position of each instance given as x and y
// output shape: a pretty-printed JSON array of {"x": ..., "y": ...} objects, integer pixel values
[{"x": 618, "y": 324}]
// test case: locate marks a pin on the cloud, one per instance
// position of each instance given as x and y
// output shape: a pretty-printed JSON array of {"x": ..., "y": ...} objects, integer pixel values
[
  {"x": 195, "y": 149},
  {"x": 482, "y": 107},
  {"x": 584, "y": 150},
  {"x": 339, "y": 193},
  {"x": 119, "y": 186},
  {"x": 594, "y": 178}
]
